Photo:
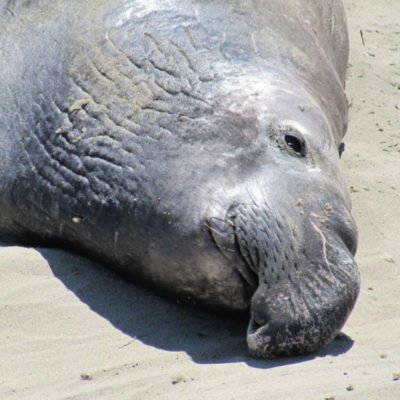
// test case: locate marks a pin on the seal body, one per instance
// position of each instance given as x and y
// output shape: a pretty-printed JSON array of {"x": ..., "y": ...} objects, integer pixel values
[{"x": 190, "y": 145}]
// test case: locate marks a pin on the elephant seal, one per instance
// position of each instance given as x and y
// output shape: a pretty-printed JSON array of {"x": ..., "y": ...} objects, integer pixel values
[{"x": 191, "y": 145}]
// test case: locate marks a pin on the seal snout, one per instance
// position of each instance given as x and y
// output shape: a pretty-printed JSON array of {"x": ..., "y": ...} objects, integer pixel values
[
  {"x": 302, "y": 274},
  {"x": 301, "y": 314}
]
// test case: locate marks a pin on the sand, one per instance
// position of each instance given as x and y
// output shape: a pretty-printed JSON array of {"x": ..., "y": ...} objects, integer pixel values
[{"x": 70, "y": 329}]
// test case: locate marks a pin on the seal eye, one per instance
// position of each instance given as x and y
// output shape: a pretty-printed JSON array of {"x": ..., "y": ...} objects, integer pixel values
[
  {"x": 341, "y": 149},
  {"x": 296, "y": 145}
]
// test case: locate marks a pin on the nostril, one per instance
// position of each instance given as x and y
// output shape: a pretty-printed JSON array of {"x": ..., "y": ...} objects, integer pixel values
[
  {"x": 259, "y": 340},
  {"x": 347, "y": 231},
  {"x": 253, "y": 326},
  {"x": 350, "y": 240},
  {"x": 341, "y": 224}
]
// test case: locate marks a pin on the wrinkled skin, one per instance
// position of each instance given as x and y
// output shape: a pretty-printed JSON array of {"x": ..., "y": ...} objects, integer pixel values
[{"x": 192, "y": 145}]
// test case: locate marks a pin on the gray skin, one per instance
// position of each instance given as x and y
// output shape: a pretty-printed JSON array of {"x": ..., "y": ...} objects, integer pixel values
[{"x": 191, "y": 145}]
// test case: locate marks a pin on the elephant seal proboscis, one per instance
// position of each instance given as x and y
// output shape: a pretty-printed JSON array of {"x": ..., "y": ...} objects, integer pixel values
[{"x": 193, "y": 145}]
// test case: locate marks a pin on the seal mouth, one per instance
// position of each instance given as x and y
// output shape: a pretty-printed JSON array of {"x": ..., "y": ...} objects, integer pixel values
[
  {"x": 223, "y": 232},
  {"x": 258, "y": 337}
]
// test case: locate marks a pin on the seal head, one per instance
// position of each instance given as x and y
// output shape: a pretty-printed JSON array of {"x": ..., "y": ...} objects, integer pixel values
[{"x": 290, "y": 235}]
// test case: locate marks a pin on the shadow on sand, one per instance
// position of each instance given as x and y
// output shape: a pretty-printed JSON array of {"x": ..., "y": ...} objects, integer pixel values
[{"x": 157, "y": 322}]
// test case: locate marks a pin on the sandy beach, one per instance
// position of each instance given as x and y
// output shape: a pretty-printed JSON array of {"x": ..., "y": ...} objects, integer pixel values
[{"x": 70, "y": 329}]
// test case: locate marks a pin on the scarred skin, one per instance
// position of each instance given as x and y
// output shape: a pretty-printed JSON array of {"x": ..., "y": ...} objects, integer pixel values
[{"x": 191, "y": 145}]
